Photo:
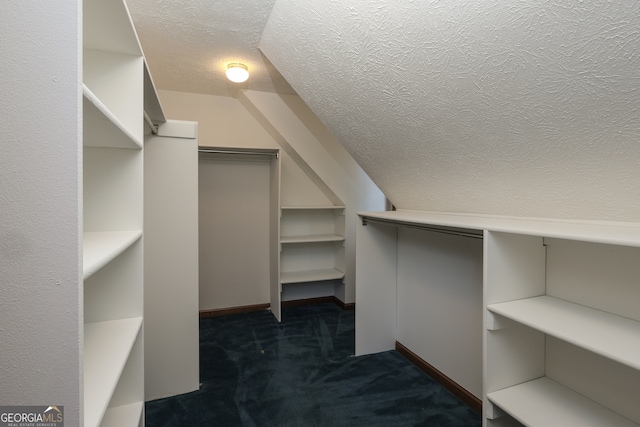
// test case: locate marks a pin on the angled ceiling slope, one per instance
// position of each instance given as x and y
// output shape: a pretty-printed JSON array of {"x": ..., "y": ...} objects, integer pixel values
[{"x": 504, "y": 107}]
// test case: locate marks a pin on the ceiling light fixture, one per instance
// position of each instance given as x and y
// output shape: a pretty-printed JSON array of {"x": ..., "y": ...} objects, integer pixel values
[{"x": 237, "y": 72}]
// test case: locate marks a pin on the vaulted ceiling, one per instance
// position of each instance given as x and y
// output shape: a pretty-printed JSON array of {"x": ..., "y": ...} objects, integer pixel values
[{"x": 448, "y": 105}]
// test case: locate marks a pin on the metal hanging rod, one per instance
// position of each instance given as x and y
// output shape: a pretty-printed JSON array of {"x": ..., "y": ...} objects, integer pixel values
[
  {"x": 463, "y": 232},
  {"x": 249, "y": 152}
]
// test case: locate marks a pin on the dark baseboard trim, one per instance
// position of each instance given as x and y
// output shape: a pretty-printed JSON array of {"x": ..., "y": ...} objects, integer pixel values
[
  {"x": 307, "y": 301},
  {"x": 445, "y": 381},
  {"x": 318, "y": 300},
  {"x": 233, "y": 310},
  {"x": 343, "y": 305},
  {"x": 260, "y": 307}
]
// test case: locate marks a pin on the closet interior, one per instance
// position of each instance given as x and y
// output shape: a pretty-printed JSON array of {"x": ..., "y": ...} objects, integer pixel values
[{"x": 555, "y": 318}]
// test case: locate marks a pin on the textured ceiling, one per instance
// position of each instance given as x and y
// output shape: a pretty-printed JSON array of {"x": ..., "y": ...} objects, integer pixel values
[
  {"x": 513, "y": 107},
  {"x": 188, "y": 44}
]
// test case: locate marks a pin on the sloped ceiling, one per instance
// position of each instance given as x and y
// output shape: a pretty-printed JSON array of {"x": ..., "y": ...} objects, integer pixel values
[{"x": 511, "y": 107}]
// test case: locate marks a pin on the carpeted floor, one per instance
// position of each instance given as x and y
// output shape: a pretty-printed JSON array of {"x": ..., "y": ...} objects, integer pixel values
[{"x": 302, "y": 372}]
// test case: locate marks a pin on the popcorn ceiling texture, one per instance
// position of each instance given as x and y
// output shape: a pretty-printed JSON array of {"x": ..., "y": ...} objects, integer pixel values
[{"x": 526, "y": 108}]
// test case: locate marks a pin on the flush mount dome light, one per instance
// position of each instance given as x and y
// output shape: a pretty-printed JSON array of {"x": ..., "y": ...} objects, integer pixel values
[{"x": 237, "y": 72}]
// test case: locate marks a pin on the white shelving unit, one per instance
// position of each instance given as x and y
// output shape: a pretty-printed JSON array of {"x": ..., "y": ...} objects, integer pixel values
[
  {"x": 562, "y": 343},
  {"x": 561, "y": 314},
  {"x": 312, "y": 244},
  {"x": 112, "y": 216}
]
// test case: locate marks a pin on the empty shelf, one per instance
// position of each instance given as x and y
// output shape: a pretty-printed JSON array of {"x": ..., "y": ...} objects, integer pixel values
[
  {"x": 102, "y": 127},
  {"x": 546, "y": 403},
  {"x": 614, "y": 337},
  {"x": 312, "y": 207},
  {"x": 101, "y": 247},
  {"x": 312, "y": 238},
  {"x": 107, "y": 346},
  {"x": 310, "y": 275}
]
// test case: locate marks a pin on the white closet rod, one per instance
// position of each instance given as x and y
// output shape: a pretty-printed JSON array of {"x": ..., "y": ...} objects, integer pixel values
[
  {"x": 475, "y": 234},
  {"x": 222, "y": 151}
]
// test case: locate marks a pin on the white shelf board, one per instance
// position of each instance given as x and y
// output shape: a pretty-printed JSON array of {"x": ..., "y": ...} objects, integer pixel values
[
  {"x": 311, "y": 207},
  {"x": 546, "y": 403},
  {"x": 99, "y": 120},
  {"x": 107, "y": 346},
  {"x": 101, "y": 247},
  {"x": 609, "y": 232},
  {"x": 123, "y": 416},
  {"x": 312, "y": 238},
  {"x": 310, "y": 275},
  {"x": 614, "y": 337}
]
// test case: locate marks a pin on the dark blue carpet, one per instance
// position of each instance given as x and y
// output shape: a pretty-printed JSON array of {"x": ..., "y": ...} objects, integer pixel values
[{"x": 302, "y": 372}]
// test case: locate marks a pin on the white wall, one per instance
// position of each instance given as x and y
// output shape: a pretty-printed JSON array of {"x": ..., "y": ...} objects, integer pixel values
[
  {"x": 296, "y": 188},
  {"x": 40, "y": 273},
  {"x": 439, "y": 297}
]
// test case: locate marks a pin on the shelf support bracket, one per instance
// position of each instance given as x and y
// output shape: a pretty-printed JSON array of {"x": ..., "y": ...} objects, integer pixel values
[{"x": 149, "y": 122}]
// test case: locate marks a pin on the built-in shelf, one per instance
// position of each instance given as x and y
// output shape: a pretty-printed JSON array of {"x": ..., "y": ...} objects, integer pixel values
[
  {"x": 102, "y": 127},
  {"x": 313, "y": 238},
  {"x": 609, "y": 232},
  {"x": 311, "y": 243},
  {"x": 561, "y": 340},
  {"x": 309, "y": 252},
  {"x": 546, "y": 403},
  {"x": 125, "y": 415},
  {"x": 101, "y": 247},
  {"x": 112, "y": 174},
  {"x": 107, "y": 346},
  {"x": 312, "y": 207},
  {"x": 614, "y": 337},
  {"x": 310, "y": 275}
]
